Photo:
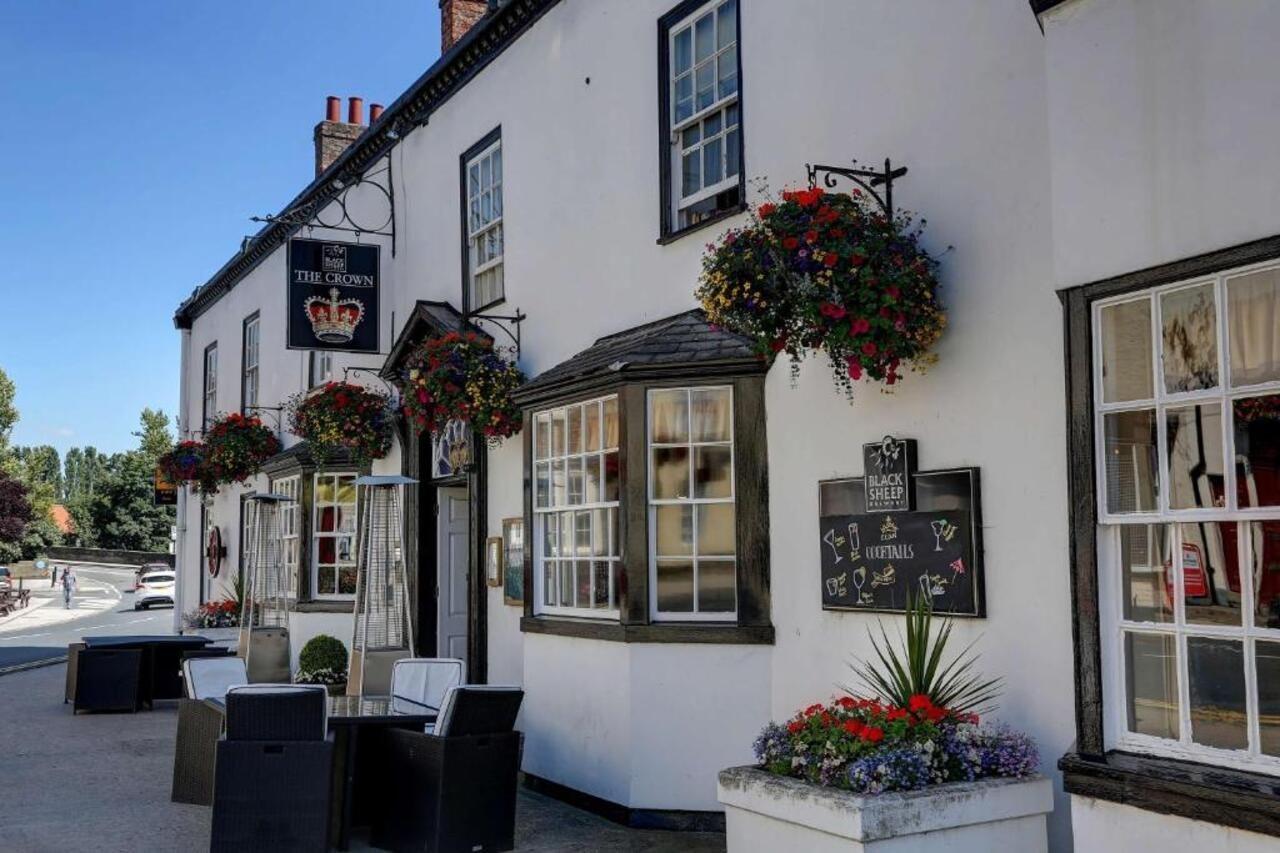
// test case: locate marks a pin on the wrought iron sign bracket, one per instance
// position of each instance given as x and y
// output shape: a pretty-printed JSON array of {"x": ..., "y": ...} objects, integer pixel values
[
  {"x": 276, "y": 412},
  {"x": 375, "y": 373},
  {"x": 380, "y": 182},
  {"x": 501, "y": 321},
  {"x": 868, "y": 179}
]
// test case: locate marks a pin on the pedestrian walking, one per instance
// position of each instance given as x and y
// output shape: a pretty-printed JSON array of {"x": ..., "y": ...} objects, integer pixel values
[{"x": 68, "y": 587}]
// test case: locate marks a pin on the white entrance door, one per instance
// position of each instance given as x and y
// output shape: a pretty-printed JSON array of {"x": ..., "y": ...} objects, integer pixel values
[{"x": 452, "y": 536}]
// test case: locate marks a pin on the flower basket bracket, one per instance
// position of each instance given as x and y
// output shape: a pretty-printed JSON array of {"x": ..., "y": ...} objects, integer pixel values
[
  {"x": 868, "y": 179},
  {"x": 502, "y": 321}
]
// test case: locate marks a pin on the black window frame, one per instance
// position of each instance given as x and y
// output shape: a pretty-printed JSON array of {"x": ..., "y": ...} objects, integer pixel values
[
  {"x": 1215, "y": 794},
  {"x": 255, "y": 317},
  {"x": 466, "y": 157},
  {"x": 669, "y": 229},
  {"x": 753, "y": 623},
  {"x": 205, "y": 414}
]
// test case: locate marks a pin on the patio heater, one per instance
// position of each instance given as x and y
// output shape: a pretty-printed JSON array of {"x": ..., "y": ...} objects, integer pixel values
[
  {"x": 264, "y": 618},
  {"x": 383, "y": 630}
]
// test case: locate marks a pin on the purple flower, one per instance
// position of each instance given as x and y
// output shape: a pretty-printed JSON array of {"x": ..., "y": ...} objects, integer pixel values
[{"x": 902, "y": 769}]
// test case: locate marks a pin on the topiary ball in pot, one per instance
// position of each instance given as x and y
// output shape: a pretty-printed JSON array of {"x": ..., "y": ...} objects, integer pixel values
[{"x": 323, "y": 652}]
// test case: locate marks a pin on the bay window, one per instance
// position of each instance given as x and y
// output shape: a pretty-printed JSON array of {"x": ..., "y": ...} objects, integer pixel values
[
  {"x": 290, "y": 528},
  {"x": 1187, "y": 428},
  {"x": 333, "y": 535}
]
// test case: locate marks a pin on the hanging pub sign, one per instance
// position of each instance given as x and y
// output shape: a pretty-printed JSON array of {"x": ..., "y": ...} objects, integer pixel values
[
  {"x": 896, "y": 535},
  {"x": 333, "y": 296},
  {"x": 165, "y": 492}
]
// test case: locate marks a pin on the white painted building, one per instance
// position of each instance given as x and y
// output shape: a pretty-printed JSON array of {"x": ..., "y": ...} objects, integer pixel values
[{"x": 1050, "y": 147}]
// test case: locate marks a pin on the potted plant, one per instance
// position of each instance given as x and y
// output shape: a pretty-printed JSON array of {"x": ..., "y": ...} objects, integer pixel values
[
  {"x": 902, "y": 763},
  {"x": 187, "y": 463},
  {"x": 462, "y": 377},
  {"x": 343, "y": 416},
  {"x": 323, "y": 660},
  {"x": 236, "y": 446},
  {"x": 828, "y": 271},
  {"x": 217, "y": 620}
]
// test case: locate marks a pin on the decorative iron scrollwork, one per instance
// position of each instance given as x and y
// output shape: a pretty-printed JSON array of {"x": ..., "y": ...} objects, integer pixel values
[
  {"x": 868, "y": 179},
  {"x": 377, "y": 183},
  {"x": 501, "y": 321}
]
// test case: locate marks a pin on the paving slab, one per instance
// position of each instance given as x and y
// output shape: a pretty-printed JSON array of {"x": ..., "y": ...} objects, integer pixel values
[{"x": 100, "y": 782}]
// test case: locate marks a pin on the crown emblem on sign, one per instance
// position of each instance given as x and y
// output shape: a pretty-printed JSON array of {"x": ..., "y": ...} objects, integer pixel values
[
  {"x": 334, "y": 320},
  {"x": 888, "y": 528}
]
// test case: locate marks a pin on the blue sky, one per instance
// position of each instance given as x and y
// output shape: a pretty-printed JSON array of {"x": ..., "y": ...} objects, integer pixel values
[{"x": 138, "y": 138}]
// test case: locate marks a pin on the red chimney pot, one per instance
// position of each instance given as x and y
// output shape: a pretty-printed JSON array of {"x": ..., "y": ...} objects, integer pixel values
[
  {"x": 355, "y": 110},
  {"x": 375, "y": 112},
  {"x": 333, "y": 108}
]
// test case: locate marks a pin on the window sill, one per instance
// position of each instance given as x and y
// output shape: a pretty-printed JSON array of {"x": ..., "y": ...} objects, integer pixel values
[
  {"x": 325, "y": 605},
  {"x": 727, "y": 213},
  {"x": 1218, "y": 795},
  {"x": 666, "y": 632}
]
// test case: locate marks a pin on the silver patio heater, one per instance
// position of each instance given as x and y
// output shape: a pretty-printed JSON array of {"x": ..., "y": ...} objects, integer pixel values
[
  {"x": 383, "y": 631},
  {"x": 264, "y": 617}
]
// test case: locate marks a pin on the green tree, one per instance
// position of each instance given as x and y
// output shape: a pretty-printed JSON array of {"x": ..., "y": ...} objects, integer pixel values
[
  {"x": 155, "y": 438},
  {"x": 123, "y": 510},
  {"x": 40, "y": 464},
  {"x": 8, "y": 411}
]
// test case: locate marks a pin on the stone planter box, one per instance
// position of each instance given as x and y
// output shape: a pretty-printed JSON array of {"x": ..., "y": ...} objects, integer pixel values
[
  {"x": 764, "y": 812},
  {"x": 228, "y": 637}
]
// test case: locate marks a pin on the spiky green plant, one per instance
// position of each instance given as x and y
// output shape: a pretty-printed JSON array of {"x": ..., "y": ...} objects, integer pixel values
[{"x": 915, "y": 666}]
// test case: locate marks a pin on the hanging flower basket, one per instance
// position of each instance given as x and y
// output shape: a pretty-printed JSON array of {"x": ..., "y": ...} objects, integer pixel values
[
  {"x": 187, "y": 463},
  {"x": 828, "y": 271},
  {"x": 236, "y": 446},
  {"x": 462, "y": 377},
  {"x": 343, "y": 416}
]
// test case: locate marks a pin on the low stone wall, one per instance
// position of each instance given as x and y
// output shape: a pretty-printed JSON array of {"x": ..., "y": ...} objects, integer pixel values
[{"x": 108, "y": 556}]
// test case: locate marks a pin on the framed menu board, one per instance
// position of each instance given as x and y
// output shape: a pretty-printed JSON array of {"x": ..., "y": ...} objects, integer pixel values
[
  {"x": 877, "y": 561},
  {"x": 513, "y": 561}
]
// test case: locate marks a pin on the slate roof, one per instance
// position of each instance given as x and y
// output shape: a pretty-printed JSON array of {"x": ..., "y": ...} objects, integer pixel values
[{"x": 672, "y": 343}]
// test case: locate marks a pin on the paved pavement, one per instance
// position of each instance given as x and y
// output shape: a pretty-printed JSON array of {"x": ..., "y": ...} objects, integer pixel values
[
  {"x": 100, "y": 783},
  {"x": 101, "y": 606}
]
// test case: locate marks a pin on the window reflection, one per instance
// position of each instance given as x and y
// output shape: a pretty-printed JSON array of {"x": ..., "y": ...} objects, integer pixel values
[
  {"x": 1193, "y": 439},
  {"x": 1264, "y": 548},
  {"x": 1146, "y": 568},
  {"x": 1267, "y": 664},
  {"x": 1253, "y": 314},
  {"x": 1257, "y": 438},
  {"x": 1151, "y": 684},
  {"x": 1190, "y": 337},
  {"x": 1130, "y": 445},
  {"x": 1126, "y": 351},
  {"x": 1211, "y": 572},
  {"x": 1215, "y": 670}
]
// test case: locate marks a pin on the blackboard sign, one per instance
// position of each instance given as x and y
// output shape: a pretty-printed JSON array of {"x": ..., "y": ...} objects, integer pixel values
[
  {"x": 879, "y": 561},
  {"x": 889, "y": 481},
  {"x": 332, "y": 296}
]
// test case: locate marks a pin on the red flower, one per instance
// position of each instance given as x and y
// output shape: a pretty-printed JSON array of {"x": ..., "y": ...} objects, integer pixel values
[
  {"x": 893, "y": 291},
  {"x": 846, "y": 702},
  {"x": 831, "y": 259},
  {"x": 935, "y": 714},
  {"x": 811, "y": 236},
  {"x": 812, "y": 710},
  {"x": 830, "y": 309},
  {"x": 919, "y": 702},
  {"x": 858, "y": 259},
  {"x": 854, "y": 368},
  {"x": 779, "y": 344},
  {"x": 795, "y": 726},
  {"x": 853, "y": 727},
  {"x": 898, "y": 714},
  {"x": 860, "y": 326},
  {"x": 766, "y": 210},
  {"x": 873, "y": 734},
  {"x": 869, "y": 348},
  {"x": 790, "y": 243}
]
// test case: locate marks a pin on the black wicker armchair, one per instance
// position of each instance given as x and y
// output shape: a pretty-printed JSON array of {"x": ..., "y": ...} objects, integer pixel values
[{"x": 107, "y": 680}]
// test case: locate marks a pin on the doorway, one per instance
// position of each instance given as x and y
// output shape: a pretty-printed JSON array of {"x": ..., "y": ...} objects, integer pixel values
[{"x": 453, "y": 537}]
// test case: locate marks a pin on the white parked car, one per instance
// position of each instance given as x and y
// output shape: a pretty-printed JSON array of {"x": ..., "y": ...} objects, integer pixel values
[{"x": 154, "y": 588}]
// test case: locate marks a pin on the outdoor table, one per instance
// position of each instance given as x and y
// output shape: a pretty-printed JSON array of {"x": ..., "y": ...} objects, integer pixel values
[
  {"x": 161, "y": 665},
  {"x": 356, "y": 724}
]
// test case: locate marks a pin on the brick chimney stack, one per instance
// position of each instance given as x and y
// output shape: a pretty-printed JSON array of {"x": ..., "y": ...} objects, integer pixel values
[
  {"x": 332, "y": 136},
  {"x": 458, "y": 16}
]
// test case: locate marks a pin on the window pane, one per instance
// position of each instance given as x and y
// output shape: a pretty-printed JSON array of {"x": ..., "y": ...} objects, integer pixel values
[
  {"x": 1145, "y": 571},
  {"x": 324, "y": 490},
  {"x": 670, "y": 472},
  {"x": 1253, "y": 318},
  {"x": 542, "y": 487},
  {"x": 1130, "y": 447},
  {"x": 600, "y": 577},
  {"x": 1215, "y": 673},
  {"x": 1190, "y": 337},
  {"x": 346, "y": 493},
  {"x": 691, "y": 173},
  {"x": 610, "y": 423},
  {"x": 704, "y": 37},
  {"x": 591, "y": 427},
  {"x": 575, "y": 481},
  {"x": 550, "y": 536},
  {"x": 1264, "y": 544},
  {"x": 731, "y": 145},
  {"x": 549, "y": 588},
  {"x": 347, "y": 580},
  {"x": 691, "y": 136},
  {"x": 710, "y": 414},
  {"x": 567, "y": 534},
  {"x": 582, "y": 577},
  {"x": 683, "y": 50},
  {"x": 582, "y": 538},
  {"x": 711, "y": 124},
  {"x": 716, "y": 532},
  {"x": 675, "y": 586},
  {"x": 1126, "y": 352},
  {"x": 712, "y": 165},
  {"x": 575, "y": 429},
  {"x": 727, "y": 25},
  {"x": 728, "y": 72},
  {"x": 669, "y": 416},
  {"x": 1151, "y": 673},
  {"x": 1193, "y": 439},
  {"x": 542, "y": 429},
  {"x": 326, "y": 579},
  {"x": 1257, "y": 433},
  {"x": 600, "y": 530},
  {"x": 566, "y": 583},
  {"x": 705, "y": 85},
  {"x": 684, "y": 97},
  {"x": 717, "y": 586},
  {"x": 673, "y": 529},
  {"x": 713, "y": 471},
  {"x": 1211, "y": 573},
  {"x": 610, "y": 477},
  {"x": 1268, "y": 667},
  {"x": 591, "y": 481}
]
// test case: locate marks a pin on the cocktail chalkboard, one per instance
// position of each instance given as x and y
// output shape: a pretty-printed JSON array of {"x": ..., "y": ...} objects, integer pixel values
[{"x": 879, "y": 561}]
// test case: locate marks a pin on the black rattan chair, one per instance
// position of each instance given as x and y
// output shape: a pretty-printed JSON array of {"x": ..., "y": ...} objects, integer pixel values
[
  {"x": 272, "y": 783},
  {"x": 455, "y": 790},
  {"x": 108, "y": 680}
]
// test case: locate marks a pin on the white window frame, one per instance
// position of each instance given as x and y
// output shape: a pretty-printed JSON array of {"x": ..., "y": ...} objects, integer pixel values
[
  {"x": 249, "y": 361},
  {"x": 553, "y": 510},
  {"x": 290, "y": 527},
  {"x": 476, "y": 235},
  {"x": 651, "y": 514},
  {"x": 680, "y": 202},
  {"x": 319, "y": 368},
  {"x": 209, "y": 401},
  {"x": 317, "y": 535},
  {"x": 1114, "y": 625}
]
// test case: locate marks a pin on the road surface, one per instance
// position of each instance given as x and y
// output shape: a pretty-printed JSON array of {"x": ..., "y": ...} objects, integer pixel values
[{"x": 103, "y": 605}]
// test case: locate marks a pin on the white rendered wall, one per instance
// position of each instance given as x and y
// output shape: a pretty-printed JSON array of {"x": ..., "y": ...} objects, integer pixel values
[{"x": 1101, "y": 826}]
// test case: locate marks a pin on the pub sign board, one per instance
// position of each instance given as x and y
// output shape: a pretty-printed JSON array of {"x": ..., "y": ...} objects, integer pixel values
[
  {"x": 889, "y": 469},
  {"x": 333, "y": 296}
]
